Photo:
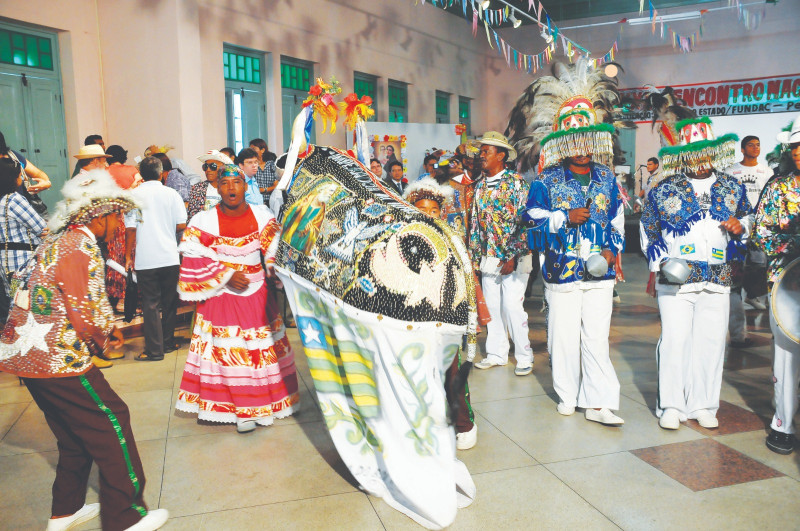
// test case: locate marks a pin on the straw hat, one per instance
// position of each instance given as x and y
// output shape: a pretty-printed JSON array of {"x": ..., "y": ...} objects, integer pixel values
[
  {"x": 94, "y": 151},
  {"x": 792, "y": 136},
  {"x": 493, "y": 138}
]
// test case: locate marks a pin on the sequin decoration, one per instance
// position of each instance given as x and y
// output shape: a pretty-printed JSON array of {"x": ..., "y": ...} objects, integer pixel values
[{"x": 344, "y": 231}]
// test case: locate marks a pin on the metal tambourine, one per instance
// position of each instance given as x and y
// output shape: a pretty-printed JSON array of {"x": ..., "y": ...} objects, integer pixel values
[{"x": 785, "y": 301}]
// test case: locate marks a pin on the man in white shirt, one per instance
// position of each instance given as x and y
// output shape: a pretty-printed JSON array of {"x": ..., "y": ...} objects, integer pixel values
[
  {"x": 152, "y": 233},
  {"x": 753, "y": 175}
]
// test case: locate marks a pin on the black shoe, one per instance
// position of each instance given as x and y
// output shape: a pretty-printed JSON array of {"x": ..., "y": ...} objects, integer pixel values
[
  {"x": 780, "y": 443},
  {"x": 147, "y": 357}
]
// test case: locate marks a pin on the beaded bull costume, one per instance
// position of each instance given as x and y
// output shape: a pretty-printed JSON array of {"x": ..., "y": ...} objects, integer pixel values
[{"x": 383, "y": 296}]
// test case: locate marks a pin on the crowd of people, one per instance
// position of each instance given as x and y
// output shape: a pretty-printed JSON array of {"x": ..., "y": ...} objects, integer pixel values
[{"x": 708, "y": 229}]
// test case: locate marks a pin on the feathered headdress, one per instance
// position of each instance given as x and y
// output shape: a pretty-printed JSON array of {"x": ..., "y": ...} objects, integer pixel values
[
  {"x": 699, "y": 148},
  {"x": 428, "y": 188},
  {"x": 570, "y": 113},
  {"x": 87, "y": 196}
]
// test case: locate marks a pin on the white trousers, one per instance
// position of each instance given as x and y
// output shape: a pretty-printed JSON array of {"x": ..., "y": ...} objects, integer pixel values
[
  {"x": 737, "y": 322},
  {"x": 505, "y": 295},
  {"x": 577, "y": 338},
  {"x": 691, "y": 351},
  {"x": 786, "y": 375}
]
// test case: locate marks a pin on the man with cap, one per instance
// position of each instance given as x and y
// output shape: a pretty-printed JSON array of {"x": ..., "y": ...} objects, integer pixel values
[
  {"x": 499, "y": 252},
  {"x": 59, "y": 319},
  {"x": 695, "y": 222},
  {"x": 777, "y": 232}
]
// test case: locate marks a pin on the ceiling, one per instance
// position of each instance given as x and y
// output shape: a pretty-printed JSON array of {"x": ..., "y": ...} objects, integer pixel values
[{"x": 560, "y": 10}]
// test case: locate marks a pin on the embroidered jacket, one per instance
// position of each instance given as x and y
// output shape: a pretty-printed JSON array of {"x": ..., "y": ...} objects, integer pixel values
[
  {"x": 567, "y": 247},
  {"x": 69, "y": 317},
  {"x": 674, "y": 225},
  {"x": 495, "y": 225},
  {"x": 777, "y": 224}
]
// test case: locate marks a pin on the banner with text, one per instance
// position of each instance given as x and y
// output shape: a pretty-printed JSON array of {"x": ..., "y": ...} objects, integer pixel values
[{"x": 726, "y": 98}]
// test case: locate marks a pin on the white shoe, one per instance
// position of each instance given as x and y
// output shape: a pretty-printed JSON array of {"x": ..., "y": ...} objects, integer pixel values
[
  {"x": 565, "y": 409},
  {"x": 670, "y": 419},
  {"x": 468, "y": 439},
  {"x": 707, "y": 420},
  {"x": 757, "y": 304},
  {"x": 523, "y": 371},
  {"x": 245, "y": 425},
  {"x": 604, "y": 416},
  {"x": 84, "y": 514},
  {"x": 488, "y": 363},
  {"x": 151, "y": 521}
]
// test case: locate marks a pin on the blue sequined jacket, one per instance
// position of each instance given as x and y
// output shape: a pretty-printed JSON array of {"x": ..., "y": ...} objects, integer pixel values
[
  {"x": 567, "y": 247},
  {"x": 674, "y": 225}
]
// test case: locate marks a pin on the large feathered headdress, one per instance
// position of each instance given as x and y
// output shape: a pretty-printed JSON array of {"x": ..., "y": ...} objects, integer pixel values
[
  {"x": 688, "y": 142},
  {"x": 570, "y": 113}
]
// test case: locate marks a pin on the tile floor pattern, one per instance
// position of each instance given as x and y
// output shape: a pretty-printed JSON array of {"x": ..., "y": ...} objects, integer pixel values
[{"x": 533, "y": 468}]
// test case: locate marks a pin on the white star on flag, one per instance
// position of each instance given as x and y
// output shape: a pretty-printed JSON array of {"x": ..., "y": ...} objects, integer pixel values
[{"x": 311, "y": 334}]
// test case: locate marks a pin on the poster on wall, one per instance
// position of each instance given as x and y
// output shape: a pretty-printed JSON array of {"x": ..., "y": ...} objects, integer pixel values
[
  {"x": 388, "y": 149},
  {"x": 764, "y": 95}
]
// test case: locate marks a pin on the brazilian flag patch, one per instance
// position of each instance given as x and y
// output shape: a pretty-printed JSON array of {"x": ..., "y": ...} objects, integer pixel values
[
  {"x": 687, "y": 249},
  {"x": 40, "y": 300},
  {"x": 719, "y": 254}
]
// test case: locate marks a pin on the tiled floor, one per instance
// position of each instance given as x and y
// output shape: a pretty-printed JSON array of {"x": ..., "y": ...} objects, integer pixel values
[{"x": 533, "y": 468}]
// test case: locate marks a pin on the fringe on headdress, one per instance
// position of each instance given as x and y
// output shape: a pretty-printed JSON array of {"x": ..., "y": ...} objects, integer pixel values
[
  {"x": 428, "y": 188},
  {"x": 698, "y": 156}
]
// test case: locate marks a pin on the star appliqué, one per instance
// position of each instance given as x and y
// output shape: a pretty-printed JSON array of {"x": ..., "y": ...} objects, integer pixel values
[{"x": 31, "y": 335}]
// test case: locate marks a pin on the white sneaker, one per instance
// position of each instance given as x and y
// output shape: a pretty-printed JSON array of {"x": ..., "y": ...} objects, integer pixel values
[
  {"x": 488, "y": 363},
  {"x": 670, "y": 419},
  {"x": 84, "y": 514},
  {"x": 707, "y": 420},
  {"x": 755, "y": 303},
  {"x": 565, "y": 409},
  {"x": 468, "y": 439},
  {"x": 523, "y": 371},
  {"x": 604, "y": 416},
  {"x": 245, "y": 425},
  {"x": 151, "y": 521}
]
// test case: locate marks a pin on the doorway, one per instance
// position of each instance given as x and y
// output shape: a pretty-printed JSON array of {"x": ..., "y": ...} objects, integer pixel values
[
  {"x": 31, "y": 103},
  {"x": 245, "y": 96}
]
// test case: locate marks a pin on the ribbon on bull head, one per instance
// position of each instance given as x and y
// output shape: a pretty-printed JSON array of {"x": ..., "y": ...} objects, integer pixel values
[
  {"x": 357, "y": 112},
  {"x": 320, "y": 98}
]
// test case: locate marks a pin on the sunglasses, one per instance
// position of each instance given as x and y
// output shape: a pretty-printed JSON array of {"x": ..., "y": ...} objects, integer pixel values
[{"x": 212, "y": 166}]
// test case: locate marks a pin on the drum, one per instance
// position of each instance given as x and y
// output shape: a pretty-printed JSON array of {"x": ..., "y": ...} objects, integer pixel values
[{"x": 785, "y": 301}]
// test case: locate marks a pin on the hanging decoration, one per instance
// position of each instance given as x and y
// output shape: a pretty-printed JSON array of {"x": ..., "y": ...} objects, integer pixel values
[
  {"x": 320, "y": 98},
  {"x": 529, "y": 63},
  {"x": 749, "y": 20}
]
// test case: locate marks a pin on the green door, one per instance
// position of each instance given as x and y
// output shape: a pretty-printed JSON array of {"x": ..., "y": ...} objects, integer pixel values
[
  {"x": 46, "y": 135},
  {"x": 245, "y": 96},
  {"x": 31, "y": 108}
]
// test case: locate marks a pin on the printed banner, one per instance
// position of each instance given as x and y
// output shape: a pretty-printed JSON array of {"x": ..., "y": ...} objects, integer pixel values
[{"x": 727, "y": 98}]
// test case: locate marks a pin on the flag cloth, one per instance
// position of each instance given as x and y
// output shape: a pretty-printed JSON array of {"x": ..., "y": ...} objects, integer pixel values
[{"x": 383, "y": 297}]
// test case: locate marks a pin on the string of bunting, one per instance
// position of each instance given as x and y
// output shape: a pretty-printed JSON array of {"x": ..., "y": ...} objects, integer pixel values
[
  {"x": 749, "y": 20},
  {"x": 529, "y": 63}
]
